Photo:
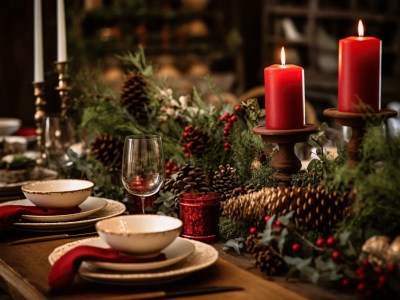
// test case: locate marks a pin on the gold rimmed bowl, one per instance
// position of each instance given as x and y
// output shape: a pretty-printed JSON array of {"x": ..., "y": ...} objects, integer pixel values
[
  {"x": 139, "y": 235},
  {"x": 58, "y": 193}
]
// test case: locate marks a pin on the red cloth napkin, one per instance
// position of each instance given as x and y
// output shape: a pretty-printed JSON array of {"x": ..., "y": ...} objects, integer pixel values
[
  {"x": 64, "y": 269},
  {"x": 11, "y": 213}
]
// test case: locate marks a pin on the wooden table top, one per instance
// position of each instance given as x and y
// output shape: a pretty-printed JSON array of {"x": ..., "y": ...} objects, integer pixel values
[{"x": 24, "y": 269}]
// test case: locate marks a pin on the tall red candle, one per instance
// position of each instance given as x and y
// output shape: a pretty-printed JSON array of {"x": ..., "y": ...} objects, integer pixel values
[
  {"x": 359, "y": 73},
  {"x": 284, "y": 96}
]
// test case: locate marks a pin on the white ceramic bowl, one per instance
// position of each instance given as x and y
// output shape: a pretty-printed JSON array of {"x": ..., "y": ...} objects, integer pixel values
[
  {"x": 9, "y": 126},
  {"x": 58, "y": 193},
  {"x": 139, "y": 235}
]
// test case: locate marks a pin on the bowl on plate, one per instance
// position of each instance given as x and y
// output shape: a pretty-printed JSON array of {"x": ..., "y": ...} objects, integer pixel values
[
  {"x": 58, "y": 193},
  {"x": 9, "y": 126},
  {"x": 139, "y": 235}
]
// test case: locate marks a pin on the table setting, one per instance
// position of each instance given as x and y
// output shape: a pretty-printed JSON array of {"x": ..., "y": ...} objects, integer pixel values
[{"x": 145, "y": 192}]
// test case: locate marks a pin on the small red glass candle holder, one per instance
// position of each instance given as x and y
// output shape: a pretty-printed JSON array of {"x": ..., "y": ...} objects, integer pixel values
[{"x": 199, "y": 213}]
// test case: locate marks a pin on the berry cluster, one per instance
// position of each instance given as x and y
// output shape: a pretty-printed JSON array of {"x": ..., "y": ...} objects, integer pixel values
[
  {"x": 371, "y": 279},
  {"x": 171, "y": 167},
  {"x": 230, "y": 120},
  {"x": 186, "y": 148}
]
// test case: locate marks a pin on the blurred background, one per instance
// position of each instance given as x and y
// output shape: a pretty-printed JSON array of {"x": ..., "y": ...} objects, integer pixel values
[{"x": 229, "y": 41}]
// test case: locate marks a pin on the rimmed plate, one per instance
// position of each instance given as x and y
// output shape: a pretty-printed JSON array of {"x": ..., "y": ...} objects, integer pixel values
[
  {"x": 203, "y": 256},
  {"x": 112, "y": 209},
  {"x": 88, "y": 207},
  {"x": 179, "y": 250},
  {"x": 38, "y": 173}
]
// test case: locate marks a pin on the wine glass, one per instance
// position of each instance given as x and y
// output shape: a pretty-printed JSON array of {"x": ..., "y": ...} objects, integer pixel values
[
  {"x": 143, "y": 168},
  {"x": 58, "y": 136}
]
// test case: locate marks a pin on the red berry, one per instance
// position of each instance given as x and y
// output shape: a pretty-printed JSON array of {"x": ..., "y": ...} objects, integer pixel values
[
  {"x": 227, "y": 149},
  {"x": 222, "y": 118},
  {"x": 226, "y": 132},
  {"x": 382, "y": 280},
  {"x": 253, "y": 230},
  {"x": 320, "y": 242},
  {"x": 365, "y": 263},
  {"x": 168, "y": 171},
  {"x": 233, "y": 119},
  {"x": 238, "y": 108},
  {"x": 345, "y": 282},
  {"x": 331, "y": 241},
  {"x": 187, "y": 154},
  {"x": 267, "y": 218},
  {"x": 360, "y": 274},
  {"x": 296, "y": 247},
  {"x": 175, "y": 169},
  {"x": 188, "y": 128},
  {"x": 378, "y": 270},
  {"x": 226, "y": 144},
  {"x": 277, "y": 223},
  {"x": 361, "y": 286},
  {"x": 227, "y": 126},
  {"x": 227, "y": 115},
  {"x": 335, "y": 255},
  {"x": 185, "y": 134},
  {"x": 184, "y": 149},
  {"x": 189, "y": 145},
  {"x": 391, "y": 268},
  {"x": 168, "y": 165}
]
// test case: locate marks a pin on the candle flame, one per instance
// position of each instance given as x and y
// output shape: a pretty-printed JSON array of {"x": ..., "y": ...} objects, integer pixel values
[
  {"x": 283, "y": 56},
  {"x": 360, "y": 28}
]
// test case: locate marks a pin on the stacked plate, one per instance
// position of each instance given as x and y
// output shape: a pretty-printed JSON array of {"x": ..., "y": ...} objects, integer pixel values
[
  {"x": 93, "y": 209},
  {"x": 183, "y": 257}
]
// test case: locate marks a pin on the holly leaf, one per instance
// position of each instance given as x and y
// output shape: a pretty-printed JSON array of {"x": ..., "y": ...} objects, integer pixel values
[
  {"x": 285, "y": 220},
  {"x": 282, "y": 239},
  {"x": 310, "y": 274},
  {"x": 235, "y": 244},
  {"x": 322, "y": 265},
  {"x": 343, "y": 238},
  {"x": 292, "y": 261}
]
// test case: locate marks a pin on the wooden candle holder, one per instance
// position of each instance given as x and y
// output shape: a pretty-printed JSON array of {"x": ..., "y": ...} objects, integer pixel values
[
  {"x": 357, "y": 122},
  {"x": 285, "y": 162}
]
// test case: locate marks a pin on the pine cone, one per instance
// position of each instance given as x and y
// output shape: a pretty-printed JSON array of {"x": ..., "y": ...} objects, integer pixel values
[
  {"x": 168, "y": 185},
  {"x": 315, "y": 208},
  {"x": 195, "y": 140},
  {"x": 266, "y": 259},
  {"x": 188, "y": 179},
  {"x": 108, "y": 150},
  {"x": 225, "y": 182},
  {"x": 134, "y": 96},
  {"x": 247, "y": 207}
]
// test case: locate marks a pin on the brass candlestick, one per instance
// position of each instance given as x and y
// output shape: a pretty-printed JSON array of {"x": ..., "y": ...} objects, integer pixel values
[
  {"x": 285, "y": 162},
  {"x": 357, "y": 122},
  {"x": 63, "y": 86},
  {"x": 40, "y": 114}
]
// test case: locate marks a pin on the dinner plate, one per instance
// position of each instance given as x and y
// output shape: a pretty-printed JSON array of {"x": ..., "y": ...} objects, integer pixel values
[
  {"x": 38, "y": 173},
  {"x": 112, "y": 209},
  {"x": 174, "y": 253},
  {"x": 88, "y": 207},
  {"x": 203, "y": 256}
]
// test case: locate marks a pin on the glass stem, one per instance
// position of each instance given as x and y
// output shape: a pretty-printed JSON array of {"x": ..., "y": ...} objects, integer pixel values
[{"x": 142, "y": 200}]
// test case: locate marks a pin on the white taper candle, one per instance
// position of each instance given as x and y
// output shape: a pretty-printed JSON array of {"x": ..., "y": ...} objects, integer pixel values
[{"x": 38, "y": 42}]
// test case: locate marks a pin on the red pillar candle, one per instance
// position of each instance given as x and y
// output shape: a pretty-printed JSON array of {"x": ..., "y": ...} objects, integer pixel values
[
  {"x": 359, "y": 73},
  {"x": 284, "y": 96}
]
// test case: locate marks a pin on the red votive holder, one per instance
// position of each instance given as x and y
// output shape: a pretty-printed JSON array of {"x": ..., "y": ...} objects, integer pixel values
[{"x": 199, "y": 213}]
